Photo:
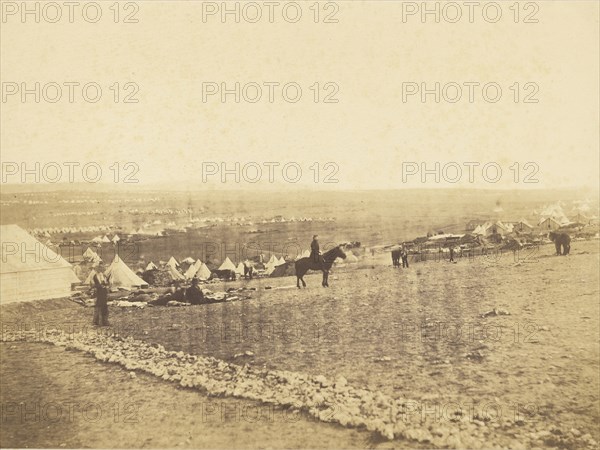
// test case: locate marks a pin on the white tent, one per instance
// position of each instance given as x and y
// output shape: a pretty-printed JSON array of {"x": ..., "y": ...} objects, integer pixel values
[
  {"x": 204, "y": 272},
  {"x": 280, "y": 261},
  {"x": 90, "y": 278},
  {"x": 240, "y": 269},
  {"x": 272, "y": 260},
  {"x": 193, "y": 269},
  {"x": 227, "y": 265},
  {"x": 172, "y": 262},
  {"x": 151, "y": 266},
  {"x": 119, "y": 275},
  {"x": 90, "y": 254},
  {"x": 115, "y": 239},
  {"x": 175, "y": 274},
  {"x": 97, "y": 239},
  {"x": 188, "y": 260},
  {"x": 30, "y": 270},
  {"x": 105, "y": 239}
]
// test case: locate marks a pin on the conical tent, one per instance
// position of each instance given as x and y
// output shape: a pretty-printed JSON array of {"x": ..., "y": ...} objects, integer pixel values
[
  {"x": 151, "y": 266},
  {"x": 227, "y": 265},
  {"x": 188, "y": 260},
  {"x": 272, "y": 260},
  {"x": 204, "y": 272},
  {"x": 189, "y": 274},
  {"x": 240, "y": 269},
  {"x": 172, "y": 262},
  {"x": 115, "y": 239},
  {"x": 89, "y": 254},
  {"x": 90, "y": 278},
  {"x": 175, "y": 275},
  {"x": 105, "y": 239},
  {"x": 119, "y": 275}
]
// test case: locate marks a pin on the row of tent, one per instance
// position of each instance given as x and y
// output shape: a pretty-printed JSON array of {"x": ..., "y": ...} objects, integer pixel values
[
  {"x": 46, "y": 232},
  {"x": 122, "y": 276},
  {"x": 106, "y": 240}
]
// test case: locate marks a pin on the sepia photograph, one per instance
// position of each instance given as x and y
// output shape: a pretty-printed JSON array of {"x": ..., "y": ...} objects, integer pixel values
[{"x": 310, "y": 224}]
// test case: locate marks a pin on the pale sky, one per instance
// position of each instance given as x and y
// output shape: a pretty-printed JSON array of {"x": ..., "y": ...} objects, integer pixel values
[{"x": 367, "y": 135}]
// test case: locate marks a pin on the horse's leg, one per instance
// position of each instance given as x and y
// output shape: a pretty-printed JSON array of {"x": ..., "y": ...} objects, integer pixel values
[
  {"x": 297, "y": 281},
  {"x": 325, "y": 276}
]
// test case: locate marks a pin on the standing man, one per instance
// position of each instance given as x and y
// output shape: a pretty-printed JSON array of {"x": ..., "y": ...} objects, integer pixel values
[
  {"x": 404, "y": 257},
  {"x": 101, "y": 308},
  {"x": 315, "y": 253},
  {"x": 451, "y": 254}
]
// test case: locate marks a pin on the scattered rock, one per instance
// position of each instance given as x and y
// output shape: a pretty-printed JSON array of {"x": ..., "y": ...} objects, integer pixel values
[{"x": 496, "y": 312}]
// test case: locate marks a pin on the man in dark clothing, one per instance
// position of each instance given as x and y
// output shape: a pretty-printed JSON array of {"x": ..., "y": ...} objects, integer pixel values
[
  {"x": 194, "y": 294},
  {"x": 404, "y": 258},
  {"x": 101, "y": 308},
  {"x": 315, "y": 253},
  {"x": 451, "y": 254}
]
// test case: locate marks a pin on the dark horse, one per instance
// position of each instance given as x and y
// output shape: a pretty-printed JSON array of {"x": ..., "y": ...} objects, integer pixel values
[
  {"x": 303, "y": 265},
  {"x": 396, "y": 255},
  {"x": 225, "y": 274},
  {"x": 561, "y": 240}
]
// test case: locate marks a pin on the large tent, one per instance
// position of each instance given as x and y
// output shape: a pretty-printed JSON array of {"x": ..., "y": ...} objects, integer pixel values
[
  {"x": 29, "y": 270},
  {"x": 119, "y": 275},
  {"x": 227, "y": 265}
]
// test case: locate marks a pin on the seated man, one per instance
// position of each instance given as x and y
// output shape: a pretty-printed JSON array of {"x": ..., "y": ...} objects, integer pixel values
[
  {"x": 315, "y": 254},
  {"x": 194, "y": 294}
]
